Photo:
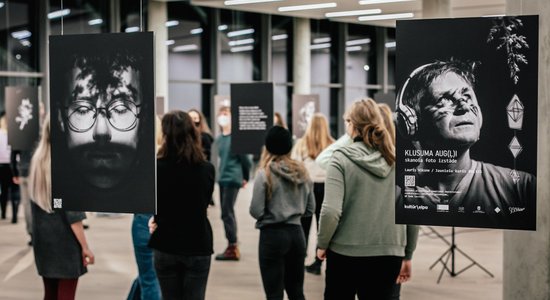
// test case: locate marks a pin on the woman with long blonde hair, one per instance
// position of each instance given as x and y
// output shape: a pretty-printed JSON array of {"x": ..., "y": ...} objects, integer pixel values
[
  {"x": 61, "y": 252},
  {"x": 282, "y": 195},
  {"x": 316, "y": 138},
  {"x": 366, "y": 252}
]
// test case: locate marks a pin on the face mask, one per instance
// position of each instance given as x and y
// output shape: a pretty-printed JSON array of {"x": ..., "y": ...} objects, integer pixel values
[{"x": 223, "y": 120}]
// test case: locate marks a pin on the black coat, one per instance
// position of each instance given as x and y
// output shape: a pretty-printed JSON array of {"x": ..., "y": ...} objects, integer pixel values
[{"x": 183, "y": 194}]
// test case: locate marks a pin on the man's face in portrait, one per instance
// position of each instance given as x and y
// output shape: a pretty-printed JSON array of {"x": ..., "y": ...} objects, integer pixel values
[
  {"x": 101, "y": 122},
  {"x": 452, "y": 115}
]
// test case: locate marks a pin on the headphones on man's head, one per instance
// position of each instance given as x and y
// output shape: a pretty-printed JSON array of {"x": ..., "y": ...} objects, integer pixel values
[{"x": 407, "y": 120}]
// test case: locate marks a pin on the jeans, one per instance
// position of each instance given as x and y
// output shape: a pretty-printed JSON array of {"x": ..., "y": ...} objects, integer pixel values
[
  {"x": 228, "y": 197},
  {"x": 146, "y": 285},
  {"x": 8, "y": 190},
  {"x": 282, "y": 252},
  {"x": 370, "y": 277},
  {"x": 182, "y": 276}
]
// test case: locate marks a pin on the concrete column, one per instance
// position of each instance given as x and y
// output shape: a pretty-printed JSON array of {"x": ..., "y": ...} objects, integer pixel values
[
  {"x": 436, "y": 9},
  {"x": 382, "y": 58},
  {"x": 527, "y": 254},
  {"x": 302, "y": 56},
  {"x": 157, "y": 18},
  {"x": 265, "y": 53}
]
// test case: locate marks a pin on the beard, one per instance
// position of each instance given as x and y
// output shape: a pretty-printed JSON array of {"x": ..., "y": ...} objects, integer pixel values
[{"x": 103, "y": 166}]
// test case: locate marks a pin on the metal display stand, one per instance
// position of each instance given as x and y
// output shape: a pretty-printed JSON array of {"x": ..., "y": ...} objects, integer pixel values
[{"x": 450, "y": 254}]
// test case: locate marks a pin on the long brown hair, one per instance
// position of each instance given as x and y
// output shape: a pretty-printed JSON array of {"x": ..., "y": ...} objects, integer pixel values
[
  {"x": 388, "y": 119},
  {"x": 181, "y": 138},
  {"x": 295, "y": 167},
  {"x": 367, "y": 119},
  {"x": 316, "y": 138},
  {"x": 203, "y": 126}
]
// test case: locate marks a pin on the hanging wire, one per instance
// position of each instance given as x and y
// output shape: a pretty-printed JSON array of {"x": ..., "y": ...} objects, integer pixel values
[
  {"x": 141, "y": 15},
  {"x": 61, "y": 17}
]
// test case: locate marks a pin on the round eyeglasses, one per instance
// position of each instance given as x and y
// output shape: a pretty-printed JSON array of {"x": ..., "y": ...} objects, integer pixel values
[{"x": 122, "y": 115}]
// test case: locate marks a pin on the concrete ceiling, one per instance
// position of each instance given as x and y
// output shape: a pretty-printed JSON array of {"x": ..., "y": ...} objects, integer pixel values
[{"x": 460, "y": 8}]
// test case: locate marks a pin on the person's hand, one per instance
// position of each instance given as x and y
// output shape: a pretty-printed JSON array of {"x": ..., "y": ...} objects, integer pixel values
[
  {"x": 405, "y": 273},
  {"x": 152, "y": 225},
  {"x": 244, "y": 183},
  {"x": 88, "y": 257},
  {"x": 321, "y": 254},
  {"x": 16, "y": 179}
]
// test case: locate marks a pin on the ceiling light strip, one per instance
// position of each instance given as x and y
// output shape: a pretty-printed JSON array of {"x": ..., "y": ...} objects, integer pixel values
[
  {"x": 240, "y": 32},
  {"x": 241, "y": 49},
  {"x": 368, "y": 2},
  {"x": 321, "y": 40},
  {"x": 279, "y": 37},
  {"x": 240, "y": 42},
  {"x": 358, "y": 42},
  {"x": 386, "y": 17},
  {"x": 354, "y": 48},
  {"x": 307, "y": 6},
  {"x": 319, "y": 46},
  {"x": 185, "y": 48},
  {"x": 351, "y": 13},
  {"x": 59, "y": 13},
  {"x": 239, "y": 2}
]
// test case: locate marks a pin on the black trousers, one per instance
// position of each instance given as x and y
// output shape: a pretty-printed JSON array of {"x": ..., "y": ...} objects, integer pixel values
[
  {"x": 282, "y": 252},
  {"x": 182, "y": 276},
  {"x": 371, "y": 277},
  {"x": 8, "y": 190},
  {"x": 319, "y": 192}
]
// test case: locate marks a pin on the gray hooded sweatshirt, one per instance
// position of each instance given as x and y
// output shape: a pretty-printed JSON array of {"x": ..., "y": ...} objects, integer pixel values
[
  {"x": 292, "y": 197},
  {"x": 358, "y": 213}
]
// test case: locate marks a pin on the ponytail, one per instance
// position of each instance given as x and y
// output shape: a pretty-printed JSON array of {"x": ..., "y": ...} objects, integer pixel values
[{"x": 372, "y": 124}]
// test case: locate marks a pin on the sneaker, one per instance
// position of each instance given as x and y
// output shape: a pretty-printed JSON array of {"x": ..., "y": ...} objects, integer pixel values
[
  {"x": 231, "y": 253},
  {"x": 314, "y": 268}
]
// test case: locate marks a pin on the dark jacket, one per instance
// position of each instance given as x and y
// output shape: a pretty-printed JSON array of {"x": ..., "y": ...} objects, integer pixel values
[
  {"x": 233, "y": 168},
  {"x": 207, "y": 140},
  {"x": 183, "y": 194}
]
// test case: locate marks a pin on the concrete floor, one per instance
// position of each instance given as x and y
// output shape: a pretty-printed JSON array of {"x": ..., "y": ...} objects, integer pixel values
[{"x": 111, "y": 276}]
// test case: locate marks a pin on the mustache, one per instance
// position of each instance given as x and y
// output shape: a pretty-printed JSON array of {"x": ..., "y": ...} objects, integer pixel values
[{"x": 104, "y": 149}]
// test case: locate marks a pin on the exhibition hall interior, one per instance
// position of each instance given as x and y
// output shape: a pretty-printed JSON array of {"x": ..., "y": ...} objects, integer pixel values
[{"x": 274, "y": 149}]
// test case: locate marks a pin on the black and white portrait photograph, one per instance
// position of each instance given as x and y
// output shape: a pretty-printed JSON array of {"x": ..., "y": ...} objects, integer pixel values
[
  {"x": 466, "y": 112},
  {"x": 22, "y": 116},
  {"x": 303, "y": 108},
  {"x": 102, "y": 116}
]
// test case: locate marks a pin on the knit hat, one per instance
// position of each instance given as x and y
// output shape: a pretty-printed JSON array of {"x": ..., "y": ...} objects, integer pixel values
[{"x": 278, "y": 140}]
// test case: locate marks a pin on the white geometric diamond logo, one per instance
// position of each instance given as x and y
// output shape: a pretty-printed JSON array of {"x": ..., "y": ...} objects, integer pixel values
[
  {"x": 515, "y": 176},
  {"x": 497, "y": 210},
  {"x": 515, "y": 113},
  {"x": 515, "y": 147}
]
